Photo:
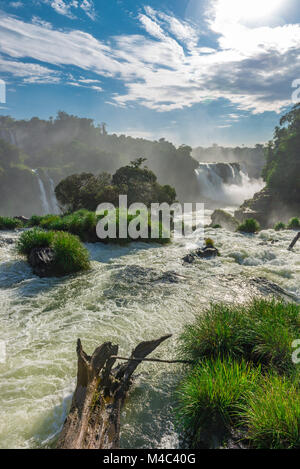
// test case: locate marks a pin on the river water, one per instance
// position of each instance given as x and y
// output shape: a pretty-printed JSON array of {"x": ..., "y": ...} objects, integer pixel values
[{"x": 132, "y": 293}]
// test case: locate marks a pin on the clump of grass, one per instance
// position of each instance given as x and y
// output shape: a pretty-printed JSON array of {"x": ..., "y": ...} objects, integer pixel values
[
  {"x": 8, "y": 223},
  {"x": 272, "y": 414},
  {"x": 209, "y": 243},
  {"x": 243, "y": 373},
  {"x": 280, "y": 226},
  {"x": 249, "y": 226},
  {"x": 216, "y": 227},
  {"x": 70, "y": 255},
  {"x": 261, "y": 332},
  {"x": 35, "y": 220},
  {"x": 83, "y": 224},
  {"x": 294, "y": 224},
  {"x": 213, "y": 392}
]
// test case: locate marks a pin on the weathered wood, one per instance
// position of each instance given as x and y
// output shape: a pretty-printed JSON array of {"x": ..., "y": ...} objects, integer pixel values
[
  {"x": 156, "y": 360},
  {"x": 297, "y": 237},
  {"x": 94, "y": 418}
]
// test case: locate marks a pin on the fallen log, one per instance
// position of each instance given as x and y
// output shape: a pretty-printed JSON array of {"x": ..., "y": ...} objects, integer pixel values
[
  {"x": 297, "y": 237},
  {"x": 94, "y": 418}
]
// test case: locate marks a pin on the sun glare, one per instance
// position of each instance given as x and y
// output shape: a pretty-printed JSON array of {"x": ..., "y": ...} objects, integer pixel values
[{"x": 248, "y": 9}]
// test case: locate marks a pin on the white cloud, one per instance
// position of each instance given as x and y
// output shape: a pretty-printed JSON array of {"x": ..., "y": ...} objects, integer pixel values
[
  {"x": 68, "y": 7},
  {"x": 252, "y": 67}
]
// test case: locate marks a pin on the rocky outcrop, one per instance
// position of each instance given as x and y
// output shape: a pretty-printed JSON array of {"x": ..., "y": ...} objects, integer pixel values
[
  {"x": 42, "y": 261},
  {"x": 205, "y": 253},
  {"x": 268, "y": 208},
  {"x": 224, "y": 219}
]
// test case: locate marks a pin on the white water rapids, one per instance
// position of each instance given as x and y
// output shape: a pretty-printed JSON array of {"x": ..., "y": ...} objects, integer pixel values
[{"x": 132, "y": 293}]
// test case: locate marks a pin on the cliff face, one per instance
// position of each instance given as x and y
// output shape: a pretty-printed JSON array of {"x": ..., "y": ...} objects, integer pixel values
[{"x": 268, "y": 208}]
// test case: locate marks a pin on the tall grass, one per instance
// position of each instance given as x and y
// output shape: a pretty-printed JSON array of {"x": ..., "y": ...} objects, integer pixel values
[
  {"x": 7, "y": 223},
  {"x": 70, "y": 255},
  {"x": 272, "y": 414},
  {"x": 83, "y": 224},
  {"x": 249, "y": 226},
  {"x": 261, "y": 331},
  {"x": 243, "y": 374},
  {"x": 214, "y": 392}
]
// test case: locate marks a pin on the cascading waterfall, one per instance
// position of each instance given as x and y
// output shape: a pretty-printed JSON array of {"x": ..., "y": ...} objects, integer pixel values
[
  {"x": 54, "y": 203},
  {"x": 226, "y": 183},
  {"x": 45, "y": 204}
]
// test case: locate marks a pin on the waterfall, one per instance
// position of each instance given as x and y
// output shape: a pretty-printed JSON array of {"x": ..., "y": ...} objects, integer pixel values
[
  {"x": 54, "y": 203},
  {"x": 226, "y": 183},
  {"x": 45, "y": 204}
]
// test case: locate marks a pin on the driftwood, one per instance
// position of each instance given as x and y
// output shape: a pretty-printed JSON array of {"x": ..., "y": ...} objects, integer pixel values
[
  {"x": 94, "y": 418},
  {"x": 297, "y": 237}
]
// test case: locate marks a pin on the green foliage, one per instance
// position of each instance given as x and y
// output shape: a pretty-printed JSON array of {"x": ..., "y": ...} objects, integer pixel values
[
  {"x": 272, "y": 414},
  {"x": 280, "y": 226},
  {"x": 249, "y": 226},
  {"x": 213, "y": 392},
  {"x": 7, "y": 223},
  {"x": 87, "y": 191},
  {"x": 83, "y": 224},
  {"x": 216, "y": 227},
  {"x": 294, "y": 224},
  {"x": 35, "y": 220},
  {"x": 261, "y": 332},
  {"x": 35, "y": 238},
  {"x": 243, "y": 374},
  {"x": 209, "y": 243},
  {"x": 70, "y": 255},
  {"x": 282, "y": 168}
]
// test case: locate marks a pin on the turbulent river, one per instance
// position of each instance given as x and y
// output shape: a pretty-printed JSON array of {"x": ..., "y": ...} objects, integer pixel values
[{"x": 131, "y": 294}]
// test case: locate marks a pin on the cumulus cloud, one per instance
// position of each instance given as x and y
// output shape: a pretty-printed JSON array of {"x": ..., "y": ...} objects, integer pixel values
[{"x": 166, "y": 67}]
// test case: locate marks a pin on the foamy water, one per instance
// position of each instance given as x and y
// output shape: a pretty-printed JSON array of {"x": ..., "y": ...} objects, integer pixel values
[{"x": 128, "y": 296}]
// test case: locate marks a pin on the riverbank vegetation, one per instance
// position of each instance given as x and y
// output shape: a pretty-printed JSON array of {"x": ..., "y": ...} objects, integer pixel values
[
  {"x": 69, "y": 255},
  {"x": 244, "y": 378},
  {"x": 249, "y": 226}
]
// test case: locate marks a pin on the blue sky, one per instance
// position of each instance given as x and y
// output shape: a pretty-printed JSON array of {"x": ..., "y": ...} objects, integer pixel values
[{"x": 192, "y": 71}]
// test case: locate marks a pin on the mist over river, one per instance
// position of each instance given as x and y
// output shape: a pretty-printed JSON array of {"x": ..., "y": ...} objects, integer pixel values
[{"x": 132, "y": 293}]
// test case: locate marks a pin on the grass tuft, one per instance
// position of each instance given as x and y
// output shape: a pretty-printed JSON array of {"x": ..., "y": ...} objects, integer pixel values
[
  {"x": 249, "y": 226},
  {"x": 70, "y": 255}
]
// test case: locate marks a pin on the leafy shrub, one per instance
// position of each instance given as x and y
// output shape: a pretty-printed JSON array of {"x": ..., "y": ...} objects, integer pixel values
[
  {"x": 280, "y": 226},
  {"x": 249, "y": 226},
  {"x": 294, "y": 224},
  {"x": 7, "y": 223},
  {"x": 70, "y": 255}
]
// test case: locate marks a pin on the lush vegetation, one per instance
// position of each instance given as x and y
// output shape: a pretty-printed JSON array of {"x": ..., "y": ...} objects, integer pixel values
[
  {"x": 294, "y": 224},
  {"x": 249, "y": 226},
  {"x": 67, "y": 145},
  {"x": 7, "y": 223},
  {"x": 85, "y": 191},
  {"x": 282, "y": 168},
  {"x": 83, "y": 224},
  {"x": 280, "y": 226},
  {"x": 70, "y": 255},
  {"x": 243, "y": 376}
]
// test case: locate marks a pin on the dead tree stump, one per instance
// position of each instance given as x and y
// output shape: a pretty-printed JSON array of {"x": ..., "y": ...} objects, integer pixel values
[{"x": 94, "y": 418}]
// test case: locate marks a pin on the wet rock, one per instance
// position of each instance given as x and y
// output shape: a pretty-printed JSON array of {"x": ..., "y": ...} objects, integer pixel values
[
  {"x": 42, "y": 262},
  {"x": 266, "y": 287},
  {"x": 205, "y": 253},
  {"x": 224, "y": 219},
  {"x": 6, "y": 241}
]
